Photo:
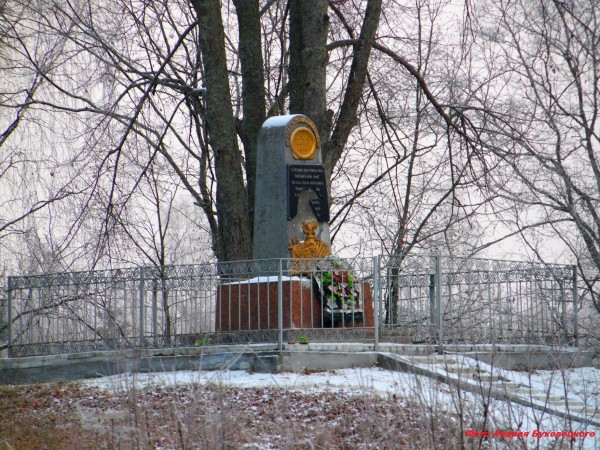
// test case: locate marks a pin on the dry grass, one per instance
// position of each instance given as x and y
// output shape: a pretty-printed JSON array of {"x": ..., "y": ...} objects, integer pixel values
[
  {"x": 39, "y": 416},
  {"x": 209, "y": 417}
]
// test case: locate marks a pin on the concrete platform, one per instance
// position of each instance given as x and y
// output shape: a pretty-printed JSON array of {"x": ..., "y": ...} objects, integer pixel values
[{"x": 266, "y": 358}]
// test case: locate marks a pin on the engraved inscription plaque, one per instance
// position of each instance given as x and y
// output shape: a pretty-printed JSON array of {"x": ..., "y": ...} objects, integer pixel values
[{"x": 301, "y": 177}]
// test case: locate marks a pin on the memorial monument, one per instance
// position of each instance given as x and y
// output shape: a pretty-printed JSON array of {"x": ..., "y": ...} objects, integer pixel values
[
  {"x": 291, "y": 191},
  {"x": 291, "y": 222}
]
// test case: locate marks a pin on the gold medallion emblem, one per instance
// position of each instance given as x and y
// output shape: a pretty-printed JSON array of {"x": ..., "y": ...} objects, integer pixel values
[{"x": 303, "y": 143}]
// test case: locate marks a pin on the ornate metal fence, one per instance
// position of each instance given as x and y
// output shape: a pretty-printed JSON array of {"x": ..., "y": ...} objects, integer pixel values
[
  {"x": 192, "y": 305},
  {"x": 472, "y": 300},
  {"x": 414, "y": 299}
]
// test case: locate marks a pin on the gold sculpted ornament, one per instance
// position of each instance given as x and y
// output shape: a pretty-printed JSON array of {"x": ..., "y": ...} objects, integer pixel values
[{"x": 311, "y": 247}]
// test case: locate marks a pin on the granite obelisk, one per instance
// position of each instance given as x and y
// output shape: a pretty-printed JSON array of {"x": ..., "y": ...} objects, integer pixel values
[{"x": 291, "y": 189}]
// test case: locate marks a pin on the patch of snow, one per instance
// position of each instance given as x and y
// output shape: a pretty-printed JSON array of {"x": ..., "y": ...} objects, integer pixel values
[
  {"x": 577, "y": 384},
  {"x": 278, "y": 121},
  {"x": 264, "y": 279}
]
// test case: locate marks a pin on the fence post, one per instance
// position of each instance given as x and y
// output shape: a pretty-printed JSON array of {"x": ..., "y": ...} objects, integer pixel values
[
  {"x": 142, "y": 299},
  {"x": 563, "y": 313},
  {"x": 493, "y": 334},
  {"x": 575, "y": 307},
  {"x": 9, "y": 318},
  {"x": 432, "y": 317},
  {"x": 376, "y": 298},
  {"x": 438, "y": 303},
  {"x": 155, "y": 312},
  {"x": 280, "y": 306}
]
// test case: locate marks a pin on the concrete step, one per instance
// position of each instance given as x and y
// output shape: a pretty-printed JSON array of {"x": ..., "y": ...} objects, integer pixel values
[
  {"x": 523, "y": 390},
  {"x": 540, "y": 396},
  {"x": 496, "y": 383},
  {"x": 486, "y": 378},
  {"x": 434, "y": 360},
  {"x": 587, "y": 412},
  {"x": 509, "y": 385},
  {"x": 575, "y": 404},
  {"x": 518, "y": 394},
  {"x": 460, "y": 370}
]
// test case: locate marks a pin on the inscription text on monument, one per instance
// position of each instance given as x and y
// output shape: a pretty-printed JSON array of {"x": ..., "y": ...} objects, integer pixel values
[{"x": 301, "y": 177}]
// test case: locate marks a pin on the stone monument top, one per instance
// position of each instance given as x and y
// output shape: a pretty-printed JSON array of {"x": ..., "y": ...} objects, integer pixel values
[{"x": 291, "y": 213}]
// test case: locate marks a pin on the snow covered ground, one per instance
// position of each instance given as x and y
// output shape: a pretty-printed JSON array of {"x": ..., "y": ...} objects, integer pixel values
[{"x": 480, "y": 413}]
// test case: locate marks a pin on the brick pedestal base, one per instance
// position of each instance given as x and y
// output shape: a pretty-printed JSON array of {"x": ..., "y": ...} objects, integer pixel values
[{"x": 253, "y": 306}]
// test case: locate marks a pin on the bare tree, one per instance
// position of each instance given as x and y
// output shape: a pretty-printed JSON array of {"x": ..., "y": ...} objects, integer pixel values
[
  {"x": 166, "y": 72},
  {"x": 418, "y": 154},
  {"x": 543, "y": 125},
  {"x": 22, "y": 195},
  {"x": 194, "y": 82}
]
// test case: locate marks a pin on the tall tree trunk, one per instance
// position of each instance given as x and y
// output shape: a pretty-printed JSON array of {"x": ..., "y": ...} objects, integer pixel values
[
  {"x": 235, "y": 235},
  {"x": 309, "y": 24},
  {"x": 253, "y": 88}
]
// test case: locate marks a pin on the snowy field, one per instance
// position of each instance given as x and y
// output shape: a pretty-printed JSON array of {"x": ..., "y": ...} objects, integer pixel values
[{"x": 509, "y": 425}]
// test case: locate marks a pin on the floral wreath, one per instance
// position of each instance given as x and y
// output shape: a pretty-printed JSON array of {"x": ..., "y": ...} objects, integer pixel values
[{"x": 336, "y": 284}]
